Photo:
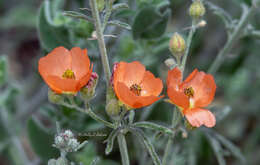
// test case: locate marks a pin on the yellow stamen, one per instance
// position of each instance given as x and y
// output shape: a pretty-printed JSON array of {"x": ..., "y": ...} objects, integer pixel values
[
  {"x": 136, "y": 89},
  {"x": 189, "y": 92},
  {"x": 68, "y": 74}
]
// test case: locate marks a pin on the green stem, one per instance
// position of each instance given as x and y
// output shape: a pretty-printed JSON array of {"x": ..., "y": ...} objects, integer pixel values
[
  {"x": 109, "y": 7},
  {"x": 191, "y": 33},
  {"x": 90, "y": 113},
  {"x": 123, "y": 149},
  {"x": 233, "y": 37},
  {"x": 175, "y": 121},
  {"x": 100, "y": 38}
]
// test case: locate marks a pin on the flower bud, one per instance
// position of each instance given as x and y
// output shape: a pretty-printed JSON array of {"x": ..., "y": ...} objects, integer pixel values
[
  {"x": 113, "y": 109},
  {"x": 73, "y": 144},
  {"x": 197, "y": 9},
  {"x": 54, "y": 97},
  {"x": 66, "y": 141},
  {"x": 177, "y": 45},
  {"x": 88, "y": 92}
]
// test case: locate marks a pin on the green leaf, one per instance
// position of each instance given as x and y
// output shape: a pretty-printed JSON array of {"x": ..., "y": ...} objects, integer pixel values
[
  {"x": 15, "y": 17},
  {"x": 216, "y": 146},
  {"x": 111, "y": 139},
  {"x": 120, "y": 6},
  {"x": 51, "y": 35},
  {"x": 120, "y": 24},
  {"x": 150, "y": 23},
  {"x": 154, "y": 126},
  {"x": 41, "y": 141},
  {"x": 3, "y": 70}
]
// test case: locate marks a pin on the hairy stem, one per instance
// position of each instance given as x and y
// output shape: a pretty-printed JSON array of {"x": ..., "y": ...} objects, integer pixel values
[
  {"x": 100, "y": 38},
  {"x": 175, "y": 120},
  {"x": 123, "y": 149},
  {"x": 233, "y": 37},
  {"x": 191, "y": 33},
  {"x": 90, "y": 113}
]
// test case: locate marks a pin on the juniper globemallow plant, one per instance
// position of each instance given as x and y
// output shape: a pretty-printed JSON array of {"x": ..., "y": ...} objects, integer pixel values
[
  {"x": 66, "y": 71},
  {"x": 134, "y": 86},
  {"x": 192, "y": 95}
]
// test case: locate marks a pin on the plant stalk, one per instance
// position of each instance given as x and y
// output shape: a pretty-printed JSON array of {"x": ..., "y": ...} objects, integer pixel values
[
  {"x": 123, "y": 149},
  {"x": 191, "y": 33},
  {"x": 101, "y": 41},
  {"x": 233, "y": 37},
  {"x": 175, "y": 120}
]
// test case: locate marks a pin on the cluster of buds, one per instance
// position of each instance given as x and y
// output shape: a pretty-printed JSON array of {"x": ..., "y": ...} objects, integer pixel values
[
  {"x": 197, "y": 9},
  {"x": 66, "y": 141},
  {"x": 88, "y": 92}
]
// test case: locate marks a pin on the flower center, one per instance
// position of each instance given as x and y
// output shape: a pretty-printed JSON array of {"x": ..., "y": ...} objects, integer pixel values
[
  {"x": 189, "y": 92},
  {"x": 68, "y": 74},
  {"x": 136, "y": 89}
]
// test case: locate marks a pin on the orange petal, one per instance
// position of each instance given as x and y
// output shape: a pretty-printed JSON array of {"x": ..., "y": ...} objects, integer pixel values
[
  {"x": 174, "y": 78},
  {"x": 198, "y": 117},
  {"x": 80, "y": 62},
  {"x": 204, "y": 88},
  {"x": 60, "y": 85},
  {"x": 84, "y": 80},
  {"x": 132, "y": 72},
  {"x": 151, "y": 85},
  {"x": 191, "y": 76},
  {"x": 178, "y": 97},
  {"x": 55, "y": 63},
  {"x": 129, "y": 98}
]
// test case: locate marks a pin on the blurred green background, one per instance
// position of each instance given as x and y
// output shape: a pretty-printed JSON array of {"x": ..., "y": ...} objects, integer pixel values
[{"x": 30, "y": 29}]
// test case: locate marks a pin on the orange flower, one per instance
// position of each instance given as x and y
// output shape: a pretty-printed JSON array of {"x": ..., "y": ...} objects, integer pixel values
[
  {"x": 135, "y": 86},
  {"x": 65, "y": 71},
  {"x": 191, "y": 95}
]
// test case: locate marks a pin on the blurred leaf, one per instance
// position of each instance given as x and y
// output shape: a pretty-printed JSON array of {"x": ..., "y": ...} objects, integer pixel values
[
  {"x": 41, "y": 141},
  {"x": 51, "y": 35},
  {"x": 16, "y": 18},
  {"x": 120, "y": 6},
  {"x": 89, "y": 154},
  {"x": 120, "y": 24},
  {"x": 3, "y": 70},
  {"x": 150, "y": 23},
  {"x": 248, "y": 2},
  {"x": 217, "y": 150},
  {"x": 231, "y": 147}
]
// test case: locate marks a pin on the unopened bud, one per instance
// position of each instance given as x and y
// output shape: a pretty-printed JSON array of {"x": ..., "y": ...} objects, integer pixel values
[
  {"x": 73, "y": 144},
  {"x": 54, "y": 97},
  {"x": 113, "y": 109},
  {"x": 88, "y": 92},
  {"x": 170, "y": 63},
  {"x": 197, "y": 9},
  {"x": 177, "y": 45}
]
